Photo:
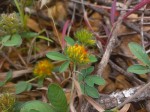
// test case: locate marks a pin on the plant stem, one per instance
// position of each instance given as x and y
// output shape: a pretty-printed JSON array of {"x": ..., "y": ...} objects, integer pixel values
[
  {"x": 20, "y": 12},
  {"x": 73, "y": 85},
  {"x": 32, "y": 79}
]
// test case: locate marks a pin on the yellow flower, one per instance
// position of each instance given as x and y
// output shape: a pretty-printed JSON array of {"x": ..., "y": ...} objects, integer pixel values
[
  {"x": 78, "y": 54},
  {"x": 85, "y": 37},
  {"x": 43, "y": 68}
]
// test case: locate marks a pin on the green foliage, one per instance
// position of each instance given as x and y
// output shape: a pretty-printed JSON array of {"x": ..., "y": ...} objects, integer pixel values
[
  {"x": 69, "y": 40},
  {"x": 87, "y": 82},
  {"x": 12, "y": 30},
  {"x": 7, "y": 78},
  {"x": 139, "y": 69},
  {"x": 56, "y": 56},
  {"x": 40, "y": 82},
  {"x": 20, "y": 6},
  {"x": 91, "y": 80},
  {"x": 92, "y": 58},
  {"x": 36, "y": 106},
  {"x": 10, "y": 24},
  {"x": 22, "y": 86},
  {"x": 85, "y": 37},
  {"x": 18, "y": 106},
  {"x": 139, "y": 52},
  {"x": 7, "y": 102},
  {"x": 12, "y": 40},
  {"x": 57, "y": 98},
  {"x": 28, "y": 34},
  {"x": 64, "y": 66},
  {"x": 55, "y": 95}
]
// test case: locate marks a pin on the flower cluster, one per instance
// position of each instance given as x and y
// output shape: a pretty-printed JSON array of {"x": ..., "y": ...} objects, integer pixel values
[
  {"x": 85, "y": 37},
  {"x": 10, "y": 24},
  {"x": 43, "y": 68},
  {"x": 78, "y": 54}
]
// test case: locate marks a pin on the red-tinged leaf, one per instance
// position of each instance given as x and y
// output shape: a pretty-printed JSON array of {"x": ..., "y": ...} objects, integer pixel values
[
  {"x": 113, "y": 11},
  {"x": 137, "y": 7},
  {"x": 64, "y": 33}
]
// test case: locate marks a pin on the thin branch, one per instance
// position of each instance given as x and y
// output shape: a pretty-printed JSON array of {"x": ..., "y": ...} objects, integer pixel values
[
  {"x": 112, "y": 42},
  {"x": 118, "y": 99}
]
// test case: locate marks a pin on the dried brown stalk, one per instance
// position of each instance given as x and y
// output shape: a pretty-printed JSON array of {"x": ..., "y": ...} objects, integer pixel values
[
  {"x": 112, "y": 41},
  {"x": 121, "y": 98}
]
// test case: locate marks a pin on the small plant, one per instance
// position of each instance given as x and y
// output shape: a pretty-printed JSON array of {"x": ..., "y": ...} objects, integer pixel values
[
  {"x": 13, "y": 27},
  {"x": 76, "y": 54},
  {"x": 7, "y": 102},
  {"x": 10, "y": 24},
  {"x": 139, "y": 52},
  {"x": 85, "y": 37},
  {"x": 57, "y": 102},
  {"x": 43, "y": 68},
  {"x": 87, "y": 82},
  {"x": 7, "y": 78}
]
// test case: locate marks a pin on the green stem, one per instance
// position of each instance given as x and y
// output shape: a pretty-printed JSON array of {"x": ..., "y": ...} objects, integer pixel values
[
  {"x": 20, "y": 12},
  {"x": 32, "y": 79}
]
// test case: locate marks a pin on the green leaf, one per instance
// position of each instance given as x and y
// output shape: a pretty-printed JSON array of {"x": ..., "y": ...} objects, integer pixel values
[
  {"x": 82, "y": 86},
  {"x": 40, "y": 82},
  {"x": 80, "y": 77},
  {"x": 8, "y": 76},
  {"x": 64, "y": 66},
  {"x": 57, "y": 98},
  {"x": 5, "y": 38},
  {"x": 139, "y": 52},
  {"x": 56, "y": 56},
  {"x": 69, "y": 40},
  {"x": 91, "y": 91},
  {"x": 44, "y": 38},
  {"x": 29, "y": 34},
  {"x": 21, "y": 87},
  {"x": 138, "y": 69},
  {"x": 29, "y": 86},
  {"x": 91, "y": 80},
  {"x": 14, "y": 41},
  {"x": 87, "y": 71},
  {"x": 2, "y": 83},
  {"x": 92, "y": 58},
  {"x": 36, "y": 105},
  {"x": 18, "y": 106},
  {"x": 33, "y": 110}
]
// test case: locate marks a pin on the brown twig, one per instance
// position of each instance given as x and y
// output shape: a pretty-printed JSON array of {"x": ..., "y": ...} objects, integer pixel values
[
  {"x": 115, "y": 99},
  {"x": 112, "y": 42},
  {"x": 135, "y": 28},
  {"x": 9, "y": 60},
  {"x": 16, "y": 74},
  {"x": 137, "y": 95},
  {"x": 126, "y": 23},
  {"x": 129, "y": 75}
]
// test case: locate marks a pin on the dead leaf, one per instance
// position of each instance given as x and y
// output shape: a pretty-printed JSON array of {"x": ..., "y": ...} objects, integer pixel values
[
  {"x": 125, "y": 108},
  {"x": 58, "y": 11},
  {"x": 122, "y": 83},
  {"x": 32, "y": 24},
  {"x": 94, "y": 104}
]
